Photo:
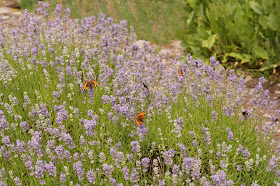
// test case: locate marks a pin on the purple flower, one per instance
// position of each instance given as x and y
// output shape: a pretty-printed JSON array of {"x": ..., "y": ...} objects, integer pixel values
[
  {"x": 107, "y": 169},
  {"x": 59, "y": 150},
  {"x": 112, "y": 181},
  {"x": 188, "y": 163},
  {"x": 168, "y": 155},
  {"x": 50, "y": 168},
  {"x": 39, "y": 169},
  {"x": 6, "y": 140},
  {"x": 277, "y": 173},
  {"x": 24, "y": 126},
  {"x": 142, "y": 131},
  {"x": 135, "y": 146},
  {"x": 63, "y": 177},
  {"x": 175, "y": 169},
  {"x": 145, "y": 162},
  {"x": 220, "y": 178},
  {"x": 44, "y": 110},
  {"x": 230, "y": 134},
  {"x": 273, "y": 163},
  {"x": 214, "y": 115},
  {"x": 195, "y": 143},
  {"x": 90, "y": 126},
  {"x": 113, "y": 153},
  {"x": 17, "y": 181},
  {"x": 91, "y": 176},
  {"x": 79, "y": 170},
  {"x": 239, "y": 167},
  {"x": 134, "y": 176},
  {"x": 90, "y": 113},
  {"x": 161, "y": 183},
  {"x": 125, "y": 173},
  {"x": 246, "y": 154}
]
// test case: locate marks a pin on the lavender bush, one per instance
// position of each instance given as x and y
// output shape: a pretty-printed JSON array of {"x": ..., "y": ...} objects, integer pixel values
[{"x": 55, "y": 133}]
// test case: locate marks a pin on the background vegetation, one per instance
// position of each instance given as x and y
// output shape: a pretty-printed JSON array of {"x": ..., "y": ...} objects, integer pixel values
[
  {"x": 241, "y": 34},
  {"x": 156, "y": 21}
]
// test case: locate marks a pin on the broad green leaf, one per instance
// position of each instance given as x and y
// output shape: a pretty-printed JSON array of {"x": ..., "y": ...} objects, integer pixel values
[
  {"x": 263, "y": 21},
  {"x": 247, "y": 57},
  {"x": 272, "y": 22},
  {"x": 235, "y": 55},
  {"x": 209, "y": 42},
  {"x": 256, "y": 7},
  {"x": 260, "y": 52},
  {"x": 267, "y": 44},
  {"x": 202, "y": 33},
  {"x": 267, "y": 5}
]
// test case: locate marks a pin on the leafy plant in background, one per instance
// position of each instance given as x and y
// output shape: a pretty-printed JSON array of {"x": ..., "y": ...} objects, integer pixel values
[{"x": 237, "y": 32}]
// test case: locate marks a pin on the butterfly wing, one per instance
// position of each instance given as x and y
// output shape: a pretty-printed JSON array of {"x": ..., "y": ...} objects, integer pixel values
[
  {"x": 180, "y": 71},
  {"x": 86, "y": 85},
  {"x": 140, "y": 118},
  {"x": 90, "y": 84},
  {"x": 95, "y": 83}
]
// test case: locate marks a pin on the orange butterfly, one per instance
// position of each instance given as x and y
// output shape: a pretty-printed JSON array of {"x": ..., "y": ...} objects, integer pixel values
[
  {"x": 90, "y": 84},
  {"x": 140, "y": 118},
  {"x": 180, "y": 71}
]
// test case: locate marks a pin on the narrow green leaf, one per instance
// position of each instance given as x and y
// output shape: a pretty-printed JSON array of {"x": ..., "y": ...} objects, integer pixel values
[
  {"x": 266, "y": 68},
  {"x": 190, "y": 18}
]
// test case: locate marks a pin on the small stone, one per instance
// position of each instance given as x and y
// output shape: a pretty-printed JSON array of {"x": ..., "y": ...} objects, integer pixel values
[
  {"x": 176, "y": 44},
  {"x": 5, "y": 17},
  {"x": 277, "y": 92},
  {"x": 11, "y": 3},
  {"x": 251, "y": 91},
  {"x": 267, "y": 115},
  {"x": 248, "y": 78},
  {"x": 4, "y": 10},
  {"x": 141, "y": 43}
]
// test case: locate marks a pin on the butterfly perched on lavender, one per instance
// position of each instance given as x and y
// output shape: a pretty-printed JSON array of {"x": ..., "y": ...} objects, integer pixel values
[{"x": 90, "y": 84}]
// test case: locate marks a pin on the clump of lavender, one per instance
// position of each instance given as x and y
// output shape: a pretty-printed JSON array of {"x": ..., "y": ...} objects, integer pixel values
[{"x": 54, "y": 132}]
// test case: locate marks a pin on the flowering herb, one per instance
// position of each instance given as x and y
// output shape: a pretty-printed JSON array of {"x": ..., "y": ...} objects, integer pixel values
[{"x": 54, "y": 132}]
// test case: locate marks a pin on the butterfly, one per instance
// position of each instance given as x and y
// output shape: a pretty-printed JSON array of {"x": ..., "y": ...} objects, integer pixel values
[
  {"x": 90, "y": 84},
  {"x": 140, "y": 118},
  {"x": 180, "y": 71}
]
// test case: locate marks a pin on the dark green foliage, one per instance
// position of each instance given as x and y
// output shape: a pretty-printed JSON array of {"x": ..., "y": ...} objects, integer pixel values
[{"x": 240, "y": 31}]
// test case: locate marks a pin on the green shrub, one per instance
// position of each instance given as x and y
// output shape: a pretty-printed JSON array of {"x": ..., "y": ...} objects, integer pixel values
[{"x": 240, "y": 31}]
